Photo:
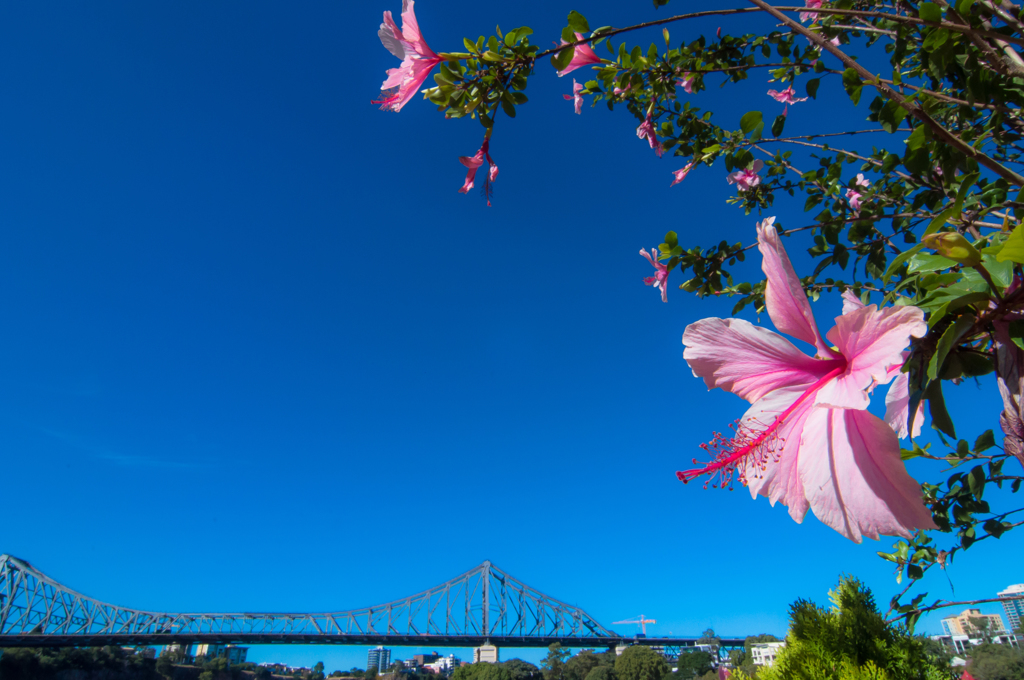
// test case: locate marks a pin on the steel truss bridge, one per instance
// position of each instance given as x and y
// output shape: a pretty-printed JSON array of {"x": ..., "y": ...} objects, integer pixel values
[{"x": 483, "y": 606}]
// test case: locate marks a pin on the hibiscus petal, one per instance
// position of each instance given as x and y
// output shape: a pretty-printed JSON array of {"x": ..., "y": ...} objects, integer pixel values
[
  {"x": 784, "y": 296},
  {"x": 897, "y": 407},
  {"x": 851, "y": 302},
  {"x": 391, "y": 37},
  {"x": 777, "y": 478},
  {"x": 747, "y": 360},
  {"x": 855, "y": 481},
  {"x": 872, "y": 340}
]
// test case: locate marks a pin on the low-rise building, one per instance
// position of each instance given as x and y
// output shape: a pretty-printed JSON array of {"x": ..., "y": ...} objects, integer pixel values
[
  {"x": 971, "y": 622},
  {"x": 275, "y": 667},
  {"x": 961, "y": 644},
  {"x": 485, "y": 654},
  {"x": 764, "y": 653}
]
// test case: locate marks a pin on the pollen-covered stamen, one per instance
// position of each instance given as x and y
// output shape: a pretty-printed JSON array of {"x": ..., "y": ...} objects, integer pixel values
[
  {"x": 753, "y": 445},
  {"x": 751, "y": 440},
  {"x": 388, "y": 99}
]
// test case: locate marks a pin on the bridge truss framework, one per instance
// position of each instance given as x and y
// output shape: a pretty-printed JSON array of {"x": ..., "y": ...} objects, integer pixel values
[{"x": 484, "y": 605}]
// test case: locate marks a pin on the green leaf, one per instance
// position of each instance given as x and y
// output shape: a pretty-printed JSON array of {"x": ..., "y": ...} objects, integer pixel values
[
  {"x": 470, "y": 45},
  {"x": 508, "y": 107},
  {"x": 937, "y": 409},
  {"x": 929, "y": 11},
  {"x": 976, "y": 481},
  {"x": 917, "y": 138},
  {"x": 560, "y": 60},
  {"x": 941, "y": 220},
  {"x": 853, "y": 84},
  {"x": 1013, "y": 247},
  {"x": 899, "y": 260},
  {"x": 749, "y": 121},
  {"x": 578, "y": 23},
  {"x": 963, "y": 8},
  {"x": 936, "y": 39},
  {"x": 780, "y": 122},
  {"x": 812, "y": 87},
  {"x": 925, "y": 262},
  {"x": 948, "y": 340},
  {"x": 891, "y": 116},
  {"x": 985, "y": 441},
  {"x": 1016, "y": 332}
]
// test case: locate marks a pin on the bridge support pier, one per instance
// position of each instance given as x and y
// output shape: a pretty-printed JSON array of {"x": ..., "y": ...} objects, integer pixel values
[{"x": 487, "y": 653}]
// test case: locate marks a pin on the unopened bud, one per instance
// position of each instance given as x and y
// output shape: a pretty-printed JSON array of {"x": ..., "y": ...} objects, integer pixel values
[{"x": 952, "y": 245}]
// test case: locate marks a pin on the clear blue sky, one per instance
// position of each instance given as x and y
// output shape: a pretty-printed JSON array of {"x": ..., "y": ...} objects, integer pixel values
[{"x": 259, "y": 354}]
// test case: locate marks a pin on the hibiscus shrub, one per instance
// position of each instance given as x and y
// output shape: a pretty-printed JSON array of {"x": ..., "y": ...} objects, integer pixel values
[{"x": 924, "y": 223}]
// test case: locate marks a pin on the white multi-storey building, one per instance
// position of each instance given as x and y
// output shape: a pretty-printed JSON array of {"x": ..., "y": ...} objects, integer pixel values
[
  {"x": 1014, "y": 608},
  {"x": 764, "y": 653}
]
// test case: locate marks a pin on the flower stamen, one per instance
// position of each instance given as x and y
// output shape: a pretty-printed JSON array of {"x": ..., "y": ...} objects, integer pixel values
[{"x": 750, "y": 438}]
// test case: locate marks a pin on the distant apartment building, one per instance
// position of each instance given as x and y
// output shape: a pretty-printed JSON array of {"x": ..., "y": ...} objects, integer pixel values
[
  {"x": 445, "y": 665},
  {"x": 1014, "y": 608},
  {"x": 232, "y": 653},
  {"x": 970, "y": 622},
  {"x": 379, "y": 658},
  {"x": 177, "y": 650},
  {"x": 276, "y": 668},
  {"x": 485, "y": 654},
  {"x": 764, "y": 653},
  {"x": 420, "y": 660}
]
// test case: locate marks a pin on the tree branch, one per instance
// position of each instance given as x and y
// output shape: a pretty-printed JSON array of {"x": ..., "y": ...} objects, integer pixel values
[{"x": 913, "y": 107}]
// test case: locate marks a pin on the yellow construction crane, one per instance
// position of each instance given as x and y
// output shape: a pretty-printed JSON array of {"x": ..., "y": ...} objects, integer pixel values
[{"x": 640, "y": 620}]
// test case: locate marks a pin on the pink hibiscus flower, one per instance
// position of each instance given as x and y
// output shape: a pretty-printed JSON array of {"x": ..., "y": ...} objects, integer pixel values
[
  {"x": 787, "y": 96},
  {"x": 646, "y": 131},
  {"x": 853, "y": 196},
  {"x": 686, "y": 83},
  {"x": 475, "y": 161},
  {"x": 660, "y": 278},
  {"x": 576, "y": 87},
  {"x": 807, "y": 440},
  {"x": 746, "y": 178},
  {"x": 810, "y": 16},
  {"x": 681, "y": 174},
  {"x": 582, "y": 55},
  {"x": 417, "y": 59}
]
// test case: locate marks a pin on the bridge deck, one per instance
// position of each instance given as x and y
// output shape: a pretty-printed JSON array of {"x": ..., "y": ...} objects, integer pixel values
[{"x": 80, "y": 640}]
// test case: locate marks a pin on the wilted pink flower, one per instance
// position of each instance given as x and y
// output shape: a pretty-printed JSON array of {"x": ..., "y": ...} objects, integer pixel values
[
  {"x": 576, "y": 87},
  {"x": 853, "y": 196},
  {"x": 417, "y": 58},
  {"x": 787, "y": 96},
  {"x": 582, "y": 55},
  {"x": 747, "y": 178},
  {"x": 807, "y": 440},
  {"x": 686, "y": 83},
  {"x": 810, "y": 16},
  {"x": 646, "y": 131},
  {"x": 474, "y": 162},
  {"x": 681, "y": 174},
  {"x": 660, "y": 278}
]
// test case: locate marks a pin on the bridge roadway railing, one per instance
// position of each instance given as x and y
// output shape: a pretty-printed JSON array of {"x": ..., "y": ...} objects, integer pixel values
[{"x": 484, "y": 604}]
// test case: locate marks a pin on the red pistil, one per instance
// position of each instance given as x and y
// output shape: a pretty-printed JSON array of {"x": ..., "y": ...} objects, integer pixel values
[{"x": 750, "y": 438}]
